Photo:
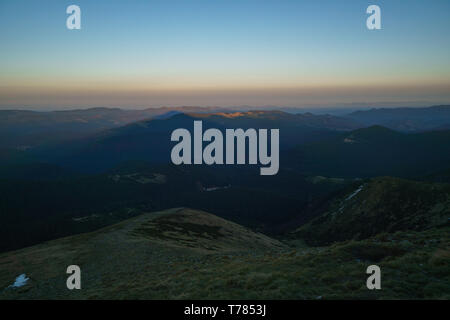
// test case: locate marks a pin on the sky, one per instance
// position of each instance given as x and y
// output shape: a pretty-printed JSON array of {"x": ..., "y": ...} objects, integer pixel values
[{"x": 145, "y": 53}]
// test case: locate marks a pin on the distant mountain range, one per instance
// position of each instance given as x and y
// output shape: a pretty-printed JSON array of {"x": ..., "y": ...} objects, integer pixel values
[
  {"x": 149, "y": 140},
  {"x": 314, "y": 144},
  {"x": 25, "y": 129},
  {"x": 97, "y": 186},
  {"x": 22, "y": 129}
]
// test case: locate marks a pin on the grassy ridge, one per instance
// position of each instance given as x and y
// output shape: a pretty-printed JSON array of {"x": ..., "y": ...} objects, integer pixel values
[
  {"x": 151, "y": 257},
  {"x": 380, "y": 205}
]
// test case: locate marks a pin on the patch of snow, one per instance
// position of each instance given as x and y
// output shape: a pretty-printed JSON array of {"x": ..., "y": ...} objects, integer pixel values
[
  {"x": 20, "y": 281},
  {"x": 354, "y": 193}
]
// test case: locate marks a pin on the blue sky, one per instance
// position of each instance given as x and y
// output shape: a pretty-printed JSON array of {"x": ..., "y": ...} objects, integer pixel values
[{"x": 214, "y": 52}]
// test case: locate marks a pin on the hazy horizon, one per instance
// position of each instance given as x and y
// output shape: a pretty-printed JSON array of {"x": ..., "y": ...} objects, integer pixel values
[{"x": 316, "y": 109}]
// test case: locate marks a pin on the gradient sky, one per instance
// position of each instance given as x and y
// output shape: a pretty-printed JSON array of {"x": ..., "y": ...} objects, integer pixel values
[{"x": 137, "y": 54}]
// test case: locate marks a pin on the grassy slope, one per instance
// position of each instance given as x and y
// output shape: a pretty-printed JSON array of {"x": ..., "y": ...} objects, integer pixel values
[
  {"x": 137, "y": 253},
  {"x": 380, "y": 205},
  {"x": 187, "y": 254}
]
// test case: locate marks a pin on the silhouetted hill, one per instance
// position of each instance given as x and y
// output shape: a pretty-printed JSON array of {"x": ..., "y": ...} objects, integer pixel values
[
  {"x": 438, "y": 176},
  {"x": 35, "y": 171},
  {"x": 405, "y": 119},
  {"x": 374, "y": 151},
  {"x": 149, "y": 140},
  {"x": 50, "y": 202}
]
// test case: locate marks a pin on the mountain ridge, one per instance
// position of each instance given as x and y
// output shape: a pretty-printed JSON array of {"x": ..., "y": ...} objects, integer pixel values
[{"x": 380, "y": 205}]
